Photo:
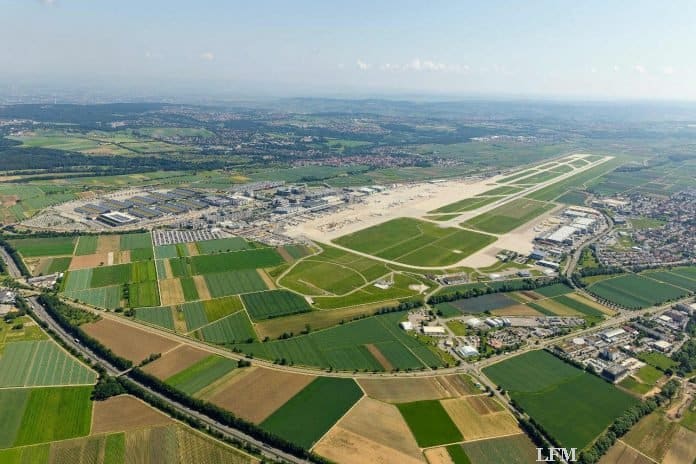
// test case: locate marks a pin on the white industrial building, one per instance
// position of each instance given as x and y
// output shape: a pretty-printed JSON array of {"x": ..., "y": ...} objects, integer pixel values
[
  {"x": 612, "y": 334},
  {"x": 433, "y": 330},
  {"x": 467, "y": 351}
]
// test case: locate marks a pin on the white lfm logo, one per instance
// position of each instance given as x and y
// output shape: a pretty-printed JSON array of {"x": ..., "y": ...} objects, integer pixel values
[{"x": 566, "y": 454}]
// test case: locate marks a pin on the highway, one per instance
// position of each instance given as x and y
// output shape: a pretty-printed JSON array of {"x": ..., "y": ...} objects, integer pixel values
[
  {"x": 266, "y": 450},
  {"x": 12, "y": 268}
]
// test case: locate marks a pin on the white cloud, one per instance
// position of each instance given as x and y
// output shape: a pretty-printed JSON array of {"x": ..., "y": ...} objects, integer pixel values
[
  {"x": 208, "y": 56},
  {"x": 668, "y": 70},
  {"x": 593, "y": 70},
  {"x": 639, "y": 68},
  {"x": 617, "y": 68},
  {"x": 362, "y": 65},
  {"x": 48, "y": 2}
]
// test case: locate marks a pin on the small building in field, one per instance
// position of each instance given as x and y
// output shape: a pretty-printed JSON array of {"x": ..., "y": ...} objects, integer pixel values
[{"x": 406, "y": 325}]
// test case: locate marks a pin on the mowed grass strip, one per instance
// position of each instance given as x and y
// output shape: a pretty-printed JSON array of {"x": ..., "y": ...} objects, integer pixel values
[
  {"x": 235, "y": 328},
  {"x": 55, "y": 414},
  {"x": 509, "y": 216},
  {"x": 430, "y": 423},
  {"x": 201, "y": 374},
  {"x": 467, "y": 204},
  {"x": 49, "y": 246},
  {"x": 308, "y": 415},
  {"x": 274, "y": 303}
]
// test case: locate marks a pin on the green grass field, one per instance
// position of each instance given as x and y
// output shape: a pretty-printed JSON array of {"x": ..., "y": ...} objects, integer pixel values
[
  {"x": 468, "y": 204},
  {"x": 143, "y": 294},
  {"x": 673, "y": 279},
  {"x": 588, "y": 312},
  {"x": 29, "y": 454},
  {"x": 235, "y": 328},
  {"x": 415, "y": 242},
  {"x": 119, "y": 274},
  {"x": 222, "y": 245},
  {"x": 237, "y": 260},
  {"x": 135, "y": 241},
  {"x": 201, "y": 374},
  {"x": 102, "y": 297},
  {"x": 274, "y": 303},
  {"x": 509, "y": 216},
  {"x": 166, "y": 251},
  {"x": 189, "y": 288},
  {"x": 12, "y": 404},
  {"x": 41, "y": 363},
  {"x": 457, "y": 454},
  {"x": 86, "y": 245},
  {"x": 49, "y": 246},
  {"x": 234, "y": 282},
  {"x": 517, "y": 449},
  {"x": 657, "y": 360},
  {"x": 62, "y": 413},
  {"x": 553, "y": 290},
  {"x": 59, "y": 264},
  {"x": 308, "y": 415},
  {"x": 570, "y": 404},
  {"x": 430, "y": 424},
  {"x": 332, "y": 272},
  {"x": 635, "y": 292},
  {"x": 343, "y": 347},
  {"x": 158, "y": 316}
]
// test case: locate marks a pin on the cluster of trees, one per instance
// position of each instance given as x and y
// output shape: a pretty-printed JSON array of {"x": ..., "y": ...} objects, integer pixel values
[
  {"x": 500, "y": 287},
  {"x": 56, "y": 308},
  {"x": 686, "y": 358},
  {"x": 212, "y": 411},
  {"x": 624, "y": 422}
]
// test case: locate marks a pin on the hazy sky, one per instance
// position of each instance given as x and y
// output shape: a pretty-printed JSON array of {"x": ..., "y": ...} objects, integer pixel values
[{"x": 595, "y": 49}]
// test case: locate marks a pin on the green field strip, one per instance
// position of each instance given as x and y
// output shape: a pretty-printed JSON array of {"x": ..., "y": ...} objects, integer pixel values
[
  {"x": 430, "y": 423},
  {"x": 59, "y": 264},
  {"x": 201, "y": 374},
  {"x": 308, "y": 415},
  {"x": 222, "y": 245},
  {"x": 141, "y": 254},
  {"x": 103, "y": 297},
  {"x": 78, "y": 279},
  {"x": 673, "y": 279},
  {"x": 274, "y": 303},
  {"x": 237, "y": 260},
  {"x": 161, "y": 317},
  {"x": 49, "y": 246},
  {"x": 235, "y": 328},
  {"x": 86, "y": 245},
  {"x": 143, "y": 294},
  {"x": 161, "y": 270},
  {"x": 62, "y": 413},
  {"x": 551, "y": 291},
  {"x": 635, "y": 291},
  {"x": 38, "y": 454},
  {"x": 133, "y": 241},
  {"x": 165, "y": 251},
  {"x": 12, "y": 404},
  {"x": 188, "y": 286},
  {"x": 509, "y": 216},
  {"x": 194, "y": 314},
  {"x": 234, "y": 282},
  {"x": 115, "y": 449}
]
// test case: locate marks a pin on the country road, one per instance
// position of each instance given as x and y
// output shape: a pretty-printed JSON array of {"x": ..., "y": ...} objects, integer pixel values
[{"x": 266, "y": 450}]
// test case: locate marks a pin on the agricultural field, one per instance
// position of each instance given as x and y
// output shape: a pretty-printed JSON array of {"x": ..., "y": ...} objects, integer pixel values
[
  {"x": 126, "y": 341},
  {"x": 515, "y": 449},
  {"x": 235, "y": 328},
  {"x": 657, "y": 360},
  {"x": 414, "y": 242},
  {"x": 254, "y": 393},
  {"x": 63, "y": 412},
  {"x": 635, "y": 291},
  {"x": 162, "y": 317},
  {"x": 652, "y": 435},
  {"x": 40, "y": 363},
  {"x": 274, "y": 303},
  {"x": 430, "y": 423},
  {"x": 403, "y": 286},
  {"x": 222, "y": 245},
  {"x": 234, "y": 282},
  {"x": 674, "y": 278},
  {"x": 482, "y": 303},
  {"x": 201, "y": 374},
  {"x": 479, "y": 417},
  {"x": 49, "y": 246},
  {"x": 572, "y": 405},
  {"x": 370, "y": 432},
  {"x": 308, "y": 415},
  {"x": 351, "y": 346},
  {"x": 509, "y": 216},
  {"x": 407, "y": 390}
]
